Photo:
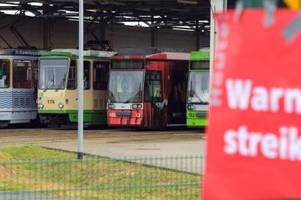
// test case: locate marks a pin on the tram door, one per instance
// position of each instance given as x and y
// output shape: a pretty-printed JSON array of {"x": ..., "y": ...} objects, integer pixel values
[
  {"x": 35, "y": 78},
  {"x": 177, "y": 93},
  {"x": 153, "y": 98}
]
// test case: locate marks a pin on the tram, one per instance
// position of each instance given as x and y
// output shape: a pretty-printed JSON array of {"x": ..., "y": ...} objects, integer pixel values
[
  {"x": 198, "y": 89},
  {"x": 57, "y": 93},
  {"x": 18, "y": 84},
  {"x": 148, "y": 89}
]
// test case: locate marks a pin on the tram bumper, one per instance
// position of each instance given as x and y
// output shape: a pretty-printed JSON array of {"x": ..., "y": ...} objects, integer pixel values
[
  {"x": 5, "y": 118},
  {"x": 125, "y": 118},
  {"x": 196, "y": 118}
]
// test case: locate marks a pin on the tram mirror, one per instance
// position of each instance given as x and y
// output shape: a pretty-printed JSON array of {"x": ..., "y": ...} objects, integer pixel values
[
  {"x": 29, "y": 74},
  {"x": 157, "y": 92},
  {"x": 165, "y": 102}
]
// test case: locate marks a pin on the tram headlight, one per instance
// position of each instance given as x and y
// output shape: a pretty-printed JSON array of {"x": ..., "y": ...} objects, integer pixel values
[
  {"x": 40, "y": 106},
  {"x": 111, "y": 106},
  {"x": 61, "y": 105},
  {"x": 190, "y": 107},
  {"x": 112, "y": 114},
  {"x": 136, "y": 106}
]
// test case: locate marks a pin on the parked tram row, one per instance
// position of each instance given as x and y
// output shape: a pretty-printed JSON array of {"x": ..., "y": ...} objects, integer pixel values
[{"x": 144, "y": 88}]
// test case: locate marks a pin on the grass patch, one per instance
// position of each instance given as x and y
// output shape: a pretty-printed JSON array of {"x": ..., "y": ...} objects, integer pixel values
[{"x": 57, "y": 174}]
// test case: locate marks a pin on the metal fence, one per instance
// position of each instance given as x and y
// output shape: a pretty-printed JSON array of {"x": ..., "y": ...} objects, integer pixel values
[{"x": 154, "y": 178}]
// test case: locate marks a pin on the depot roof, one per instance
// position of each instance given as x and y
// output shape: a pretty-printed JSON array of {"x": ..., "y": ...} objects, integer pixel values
[{"x": 185, "y": 14}]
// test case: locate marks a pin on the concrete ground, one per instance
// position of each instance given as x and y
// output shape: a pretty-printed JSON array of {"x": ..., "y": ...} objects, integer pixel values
[
  {"x": 178, "y": 155},
  {"x": 186, "y": 147},
  {"x": 137, "y": 149}
]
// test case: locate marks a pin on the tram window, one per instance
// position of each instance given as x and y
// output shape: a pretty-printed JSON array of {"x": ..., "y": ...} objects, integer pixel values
[
  {"x": 100, "y": 75},
  {"x": 71, "y": 85},
  {"x": 35, "y": 72},
  {"x": 87, "y": 75},
  {"x": 72, "y": 78},
  {"x": 22, "y": 74},
  {"x": 153, "y": 88},
  {"x": 4, "y": 73}
]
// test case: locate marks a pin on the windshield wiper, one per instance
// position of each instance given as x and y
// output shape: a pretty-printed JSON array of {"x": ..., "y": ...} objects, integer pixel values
[
  {"x": 202, "y": 102},
  {"x": 129, "y": 100},
  {"x": 51, "y": 82},
  {"x": 47, "y": 87},
  {"x": 61, "y": 83},
  {"x": 134, "y": 97}
]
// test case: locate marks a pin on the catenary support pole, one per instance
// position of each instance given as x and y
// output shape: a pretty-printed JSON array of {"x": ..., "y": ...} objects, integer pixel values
[
  {"x": 80, "y": 84},
  {"x": 46, "y": 28},
  {"x": 153, "y": 33},
  {"x": 197, "y": 34}
]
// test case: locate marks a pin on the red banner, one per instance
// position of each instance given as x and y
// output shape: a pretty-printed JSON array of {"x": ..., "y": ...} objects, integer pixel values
[{"x": 254, "y": 140}]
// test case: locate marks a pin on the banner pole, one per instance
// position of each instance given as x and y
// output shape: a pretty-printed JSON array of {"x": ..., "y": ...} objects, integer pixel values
[{"x": 216, "y": 6}]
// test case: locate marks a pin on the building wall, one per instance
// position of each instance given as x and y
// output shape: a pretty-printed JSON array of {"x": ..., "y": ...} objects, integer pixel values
[{"x": 64, "y": 34}]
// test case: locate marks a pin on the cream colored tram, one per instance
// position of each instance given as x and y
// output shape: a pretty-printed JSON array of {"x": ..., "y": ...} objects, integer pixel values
[{"x": 57, "y": 94}]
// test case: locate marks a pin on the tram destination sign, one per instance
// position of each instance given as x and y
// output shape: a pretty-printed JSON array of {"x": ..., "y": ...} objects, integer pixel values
[
  {"x": 254, "y": 132},
  {"x": 200, "y": 64},
  {"x": 20, "y": 52},
  {"x": 127, "y": 64}
]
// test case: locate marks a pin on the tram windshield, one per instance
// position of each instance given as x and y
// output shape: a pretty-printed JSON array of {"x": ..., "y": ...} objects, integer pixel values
[
  {"x": 53, "y": 73},
  {"x": 126, "y": 86},
  {"x": 4, "y": 73},
  {"x": 198, "y": 87}
]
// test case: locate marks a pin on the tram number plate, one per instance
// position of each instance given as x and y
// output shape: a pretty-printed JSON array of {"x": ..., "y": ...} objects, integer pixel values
[
  {"x": 124, "y": 113},
  {"x": 200, "y": 114},
  {"x": 50, "y": 101}
]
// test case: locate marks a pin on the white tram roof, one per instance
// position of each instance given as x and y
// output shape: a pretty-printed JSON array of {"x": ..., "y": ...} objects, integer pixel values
[{"x": 96, "y": 53}]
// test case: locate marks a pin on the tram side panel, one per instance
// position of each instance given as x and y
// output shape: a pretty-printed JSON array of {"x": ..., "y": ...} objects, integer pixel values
[
  {"x": 95, "y": 85},
  {"x": 24, "y": 108}
]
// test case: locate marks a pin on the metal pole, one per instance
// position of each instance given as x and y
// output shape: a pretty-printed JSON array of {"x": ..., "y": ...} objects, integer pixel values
[
  {"x": 153, "y": 33},
  {"x": 216, "y": 6},
  {"x": 80, "y": 84}
]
